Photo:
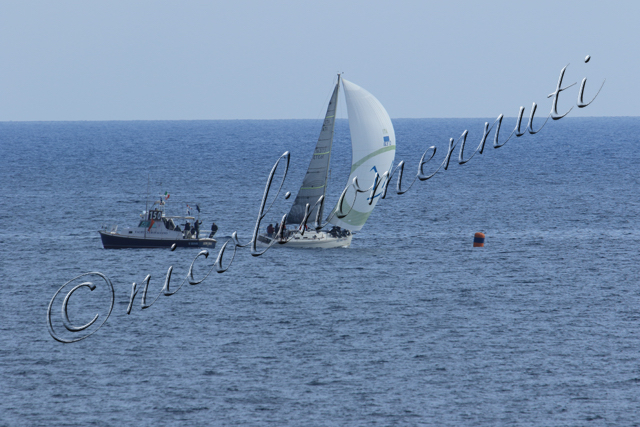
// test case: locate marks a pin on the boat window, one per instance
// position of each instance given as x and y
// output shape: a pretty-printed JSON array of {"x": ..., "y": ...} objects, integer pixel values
[{"x": 144, "y": 224}]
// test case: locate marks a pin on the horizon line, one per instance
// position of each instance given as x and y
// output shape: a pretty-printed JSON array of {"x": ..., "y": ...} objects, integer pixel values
[{"x": 314, "y": 119}]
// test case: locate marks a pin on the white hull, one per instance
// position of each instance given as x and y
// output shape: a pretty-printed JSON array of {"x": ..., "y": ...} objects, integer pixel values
[{"x": 310, "y": 240}]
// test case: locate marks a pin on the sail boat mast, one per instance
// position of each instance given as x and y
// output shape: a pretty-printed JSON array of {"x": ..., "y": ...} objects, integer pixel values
[
  {"x": 326, "y": 176},
  {"x": 314, "y": 184}
]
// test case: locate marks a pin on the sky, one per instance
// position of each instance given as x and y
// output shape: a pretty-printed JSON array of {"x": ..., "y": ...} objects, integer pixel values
[{"x": 210, "y": 60}]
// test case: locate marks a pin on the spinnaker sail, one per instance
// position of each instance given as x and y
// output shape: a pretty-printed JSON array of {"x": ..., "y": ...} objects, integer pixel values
[{"x": 373, "y": 144}]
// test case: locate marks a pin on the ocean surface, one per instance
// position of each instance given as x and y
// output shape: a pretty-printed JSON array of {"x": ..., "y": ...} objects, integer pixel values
[{"x": 411, "y": 325}]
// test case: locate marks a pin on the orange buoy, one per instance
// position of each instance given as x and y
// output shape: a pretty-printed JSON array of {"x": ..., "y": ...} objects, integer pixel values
[{"x": 478, "y": 240}]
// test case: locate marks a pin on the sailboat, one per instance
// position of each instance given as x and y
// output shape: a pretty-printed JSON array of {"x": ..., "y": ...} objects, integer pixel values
[{"x": 373, "y": 145}]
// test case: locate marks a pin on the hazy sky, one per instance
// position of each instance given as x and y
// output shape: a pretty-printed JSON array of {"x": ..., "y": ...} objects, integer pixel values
[{"x": 176, "y": 60}]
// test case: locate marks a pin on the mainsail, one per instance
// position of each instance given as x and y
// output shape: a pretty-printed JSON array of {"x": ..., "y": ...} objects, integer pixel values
[
  {"x": 373, "y": 144},
  {"x": 314, "y": 184}
]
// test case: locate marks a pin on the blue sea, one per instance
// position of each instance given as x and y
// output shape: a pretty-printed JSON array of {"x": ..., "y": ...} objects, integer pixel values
[{"x": 411, "y": 325}]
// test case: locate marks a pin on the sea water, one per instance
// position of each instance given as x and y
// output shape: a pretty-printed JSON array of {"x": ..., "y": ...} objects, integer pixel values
[{"x": 411, "y": 325}]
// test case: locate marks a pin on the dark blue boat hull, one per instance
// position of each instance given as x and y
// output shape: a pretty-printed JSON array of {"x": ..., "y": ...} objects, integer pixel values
[{"x": 110, "y": 241}]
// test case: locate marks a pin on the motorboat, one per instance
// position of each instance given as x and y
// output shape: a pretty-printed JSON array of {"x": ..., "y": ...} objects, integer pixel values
[{"x": 157, "y": 230}]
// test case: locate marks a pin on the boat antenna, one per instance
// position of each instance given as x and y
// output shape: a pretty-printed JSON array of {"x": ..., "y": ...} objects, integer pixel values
[
  {"x": 146, "y": 204},
  {"x": 147, "y": 197}
]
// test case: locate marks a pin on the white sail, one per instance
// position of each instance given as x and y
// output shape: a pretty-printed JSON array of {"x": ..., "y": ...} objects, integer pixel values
[{"x": 373, "y": 143}]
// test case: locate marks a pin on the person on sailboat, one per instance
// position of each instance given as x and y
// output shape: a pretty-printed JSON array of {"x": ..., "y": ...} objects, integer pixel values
[
  {"x": 270, "y": 230},
  {"x": 214, "y": 230}
]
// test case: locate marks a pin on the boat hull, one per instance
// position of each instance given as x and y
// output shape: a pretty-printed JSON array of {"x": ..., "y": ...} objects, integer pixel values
[
  {"x": 308, "y": 241},
  {"x": 116, "y": 241}
]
